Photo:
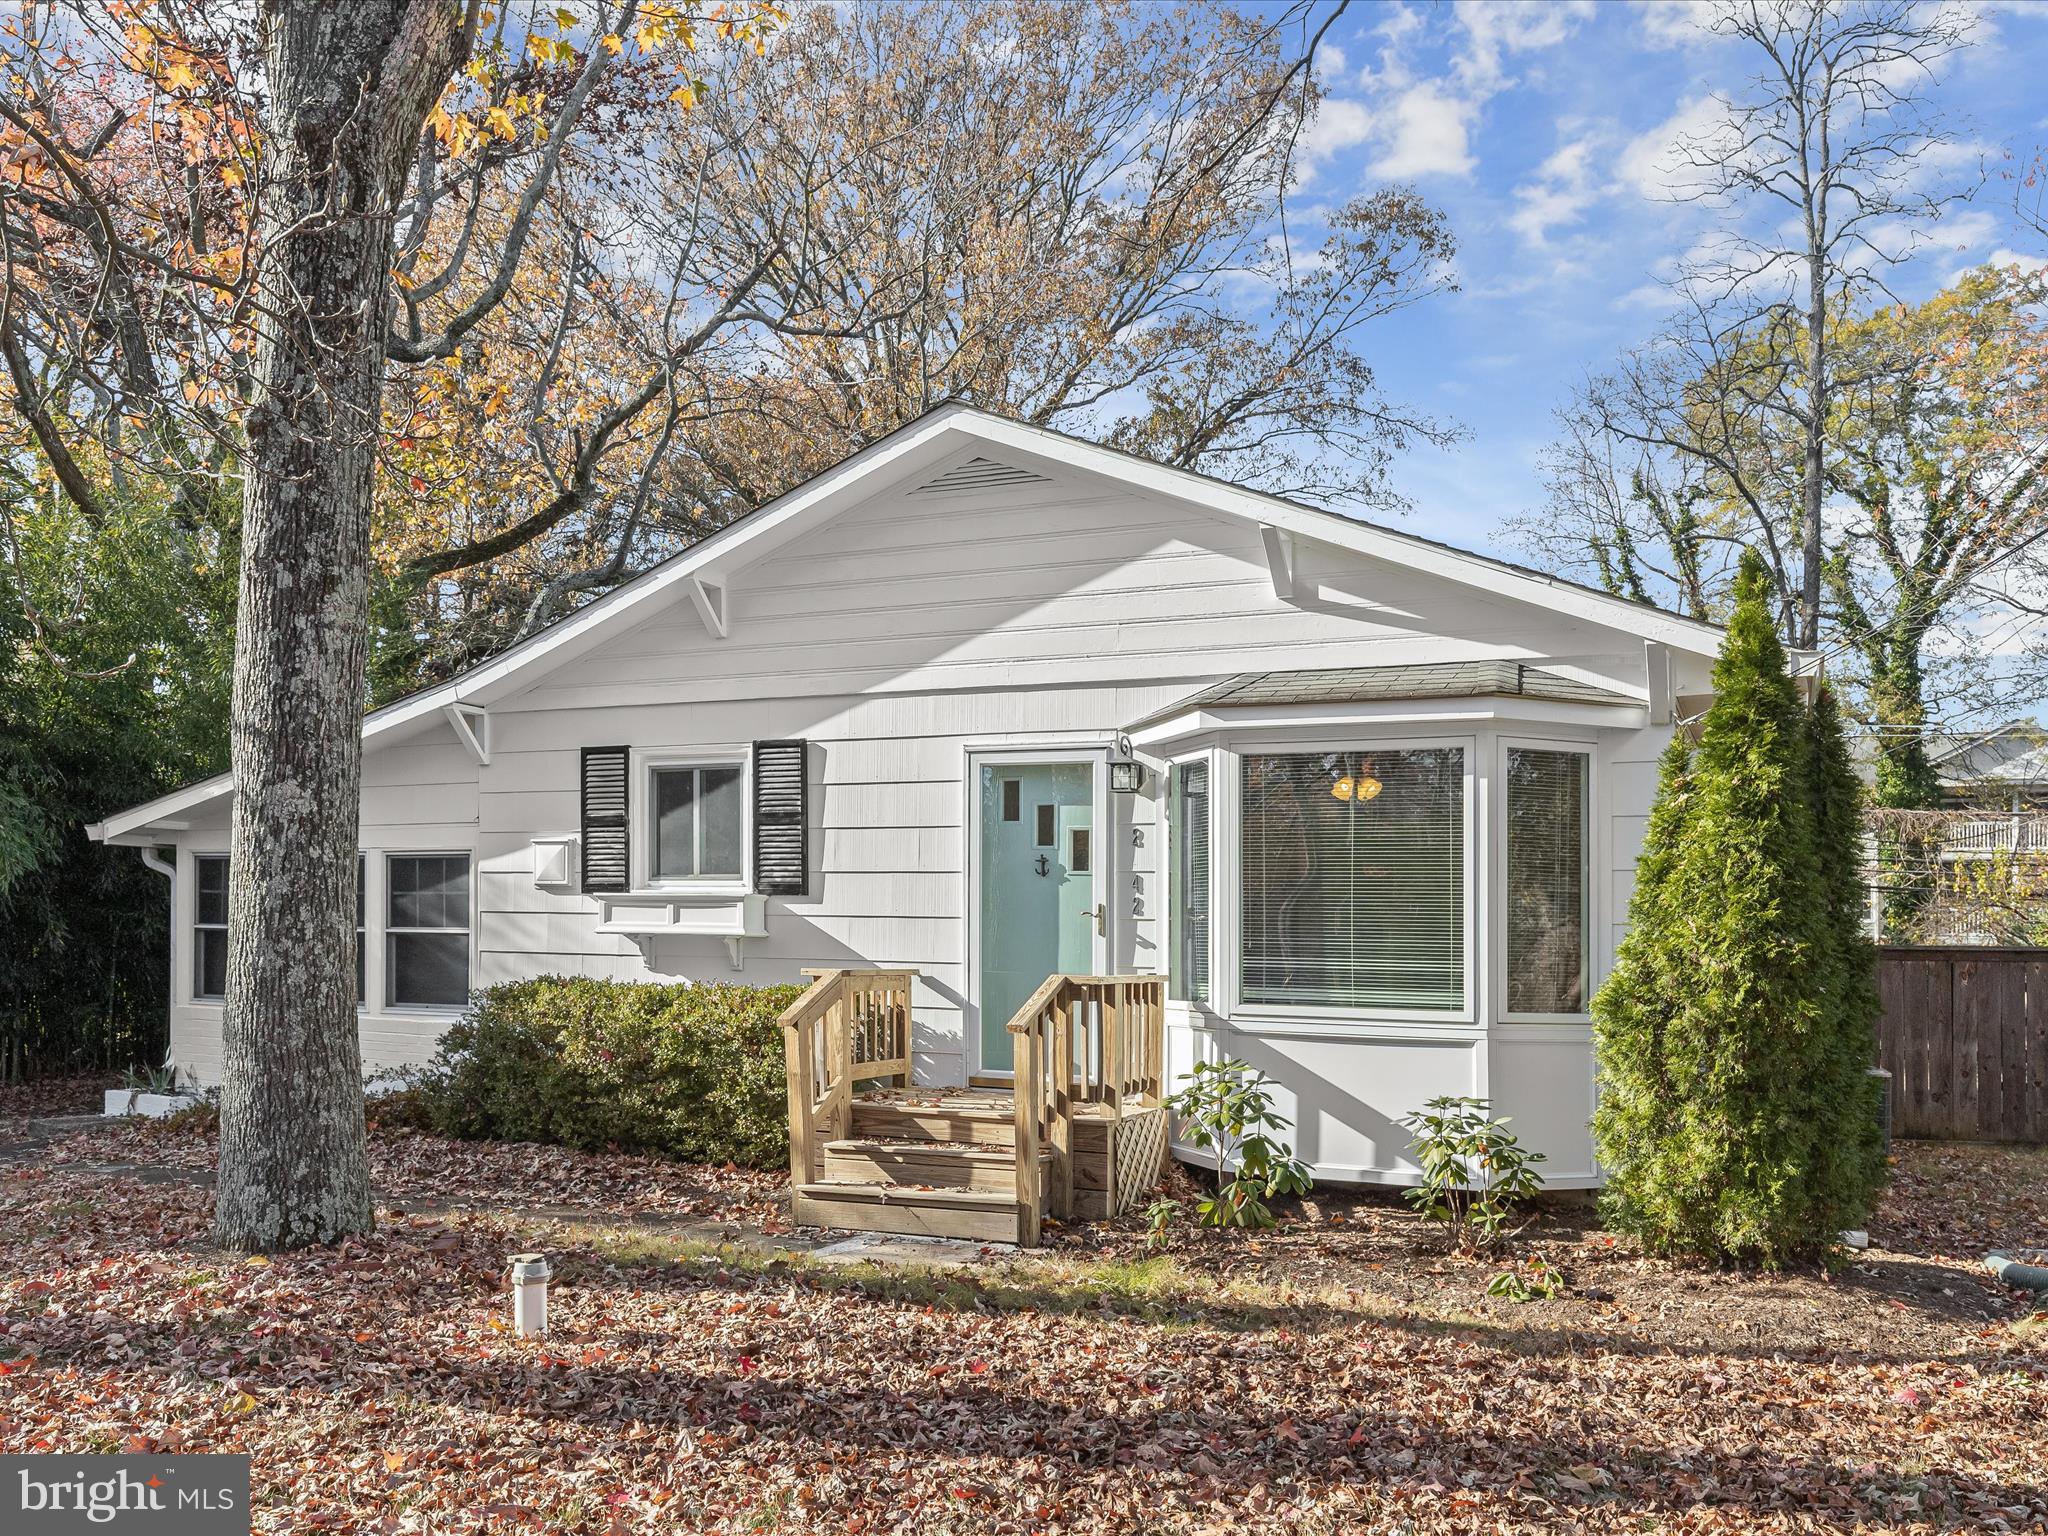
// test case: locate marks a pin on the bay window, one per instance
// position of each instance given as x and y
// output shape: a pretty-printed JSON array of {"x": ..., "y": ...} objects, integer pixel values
[
  {"x": 1547, "y": 918},
  {"x": 1352, "y": 879}
]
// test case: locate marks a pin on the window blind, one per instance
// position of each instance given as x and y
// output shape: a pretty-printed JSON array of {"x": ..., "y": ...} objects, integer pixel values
[
  {"x": 1189, "y": 813},
  {"x": 1353, "y": 879},
  {"x": 1546, "y": 881}
]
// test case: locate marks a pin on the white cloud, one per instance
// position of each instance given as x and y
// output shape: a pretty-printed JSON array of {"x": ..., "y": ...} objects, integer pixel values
[
  {"x": 1493, "y": 29},
  {"x": 1560, "y": 193},
  {"x": 1424, "y": 127},
  {"x": 1649, "y": 296},
  {"x": 1965, "y": 229},
  {"x": 1427, "y": 134},
  {"x": 1675, "y": 23},
  {"x": 2026, "y": 261},
  {"x": 1332, "y": 59},
  {"x": 1339, "y": 124},
  {"x": 1655, "y": 163}
]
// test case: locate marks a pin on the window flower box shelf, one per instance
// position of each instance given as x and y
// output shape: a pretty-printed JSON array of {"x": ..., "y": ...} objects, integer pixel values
[{"x": 643, "y": 919}]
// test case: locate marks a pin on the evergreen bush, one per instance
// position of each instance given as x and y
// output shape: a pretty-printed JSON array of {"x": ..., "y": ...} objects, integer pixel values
[
  {"x": 690, "y": 1071},
  {"x": 1733, "y": 1033},
  {"x": 1849, "y": 1136}
]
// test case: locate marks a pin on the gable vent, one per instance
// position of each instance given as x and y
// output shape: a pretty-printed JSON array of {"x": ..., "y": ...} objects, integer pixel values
[{"x": 979, "y": 475}]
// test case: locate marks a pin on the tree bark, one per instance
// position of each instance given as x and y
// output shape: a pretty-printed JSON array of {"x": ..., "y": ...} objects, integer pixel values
[{"x": 348, "y": 89}]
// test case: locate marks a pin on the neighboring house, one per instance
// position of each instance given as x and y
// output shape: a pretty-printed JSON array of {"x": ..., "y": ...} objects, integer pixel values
[
  {"x": 992, "y": 703},
  {"x": 1976, "y": 870},
  {"x": 2004, "y": 769}
]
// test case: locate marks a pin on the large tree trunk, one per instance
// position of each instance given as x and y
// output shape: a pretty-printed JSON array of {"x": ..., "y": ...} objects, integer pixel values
[
  {"x": 348, "y": 87},
  {"x": 1813, "y": 474}
]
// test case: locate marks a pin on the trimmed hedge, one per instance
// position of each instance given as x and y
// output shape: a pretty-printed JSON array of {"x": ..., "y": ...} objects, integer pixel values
[{"x": 690, "y": 1071}]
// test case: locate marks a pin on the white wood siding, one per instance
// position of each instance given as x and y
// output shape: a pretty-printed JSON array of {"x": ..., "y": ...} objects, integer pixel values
[{"x": 895, "y": 640}]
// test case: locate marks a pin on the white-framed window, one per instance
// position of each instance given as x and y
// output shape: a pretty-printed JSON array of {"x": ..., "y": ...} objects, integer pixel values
[
  {"x": 1188, "y": 866},
  {"x": 1354, "y": 877},
  {"x": 210, "y": 926},
  {"x": 426, "y": 930},
  {"x": 1547, "y": 800},
  {"x": 362, "y": 952},
  {"x": 696, "y": 822}
]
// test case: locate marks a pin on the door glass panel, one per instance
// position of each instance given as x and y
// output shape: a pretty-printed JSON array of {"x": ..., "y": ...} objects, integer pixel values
[{"x": 1037, "y": 910}]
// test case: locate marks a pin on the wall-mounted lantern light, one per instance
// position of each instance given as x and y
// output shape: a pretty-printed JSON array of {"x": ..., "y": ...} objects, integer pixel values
[{"x": 1126, "y": 776}]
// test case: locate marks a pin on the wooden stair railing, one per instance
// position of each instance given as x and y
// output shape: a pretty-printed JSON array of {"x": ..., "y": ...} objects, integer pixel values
[
  {"x": 849, "y": 1027},
  {"x": 1080, "y": 1040}
]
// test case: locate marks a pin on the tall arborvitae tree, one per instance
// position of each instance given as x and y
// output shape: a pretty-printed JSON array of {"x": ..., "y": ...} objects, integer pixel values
[
  {"x": 1848, "y": 1144},
  {"x": 1714, "y": 1030},
  {"x": 1632, "y": 1116}
]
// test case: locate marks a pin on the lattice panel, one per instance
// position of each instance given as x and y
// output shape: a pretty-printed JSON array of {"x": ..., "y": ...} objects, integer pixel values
[{"x": 1140, "y": 1157}]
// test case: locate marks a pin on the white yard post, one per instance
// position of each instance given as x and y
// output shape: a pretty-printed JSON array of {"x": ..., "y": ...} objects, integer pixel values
[{"x": 530, "y": 1277}]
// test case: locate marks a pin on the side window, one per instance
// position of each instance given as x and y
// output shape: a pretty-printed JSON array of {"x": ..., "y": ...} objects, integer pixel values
[
  {"x": 361, "y": 865},
  {"x": 210, "y": 926},
  {"x": 426, "y": 936}
]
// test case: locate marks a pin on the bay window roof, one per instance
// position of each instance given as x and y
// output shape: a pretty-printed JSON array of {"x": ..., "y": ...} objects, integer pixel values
[{"x": 1419, "y": 680}]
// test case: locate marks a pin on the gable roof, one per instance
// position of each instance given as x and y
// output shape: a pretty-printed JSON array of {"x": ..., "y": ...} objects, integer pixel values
[{"x": 932, "y": 444}]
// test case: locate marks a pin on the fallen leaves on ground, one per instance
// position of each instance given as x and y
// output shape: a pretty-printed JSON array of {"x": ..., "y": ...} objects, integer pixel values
[
  {"x": 51, "y": 1096},
  {"x": 379, "y": 1390},
  {"x": 411, "y": 1168}
]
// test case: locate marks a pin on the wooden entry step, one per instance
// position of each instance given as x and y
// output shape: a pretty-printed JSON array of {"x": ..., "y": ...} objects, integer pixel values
[
  {"x": 987, "y": 1125},
  {"x": 976, "y": 1215},
  {"x": 867, "y": 1161},
  {"x": 870, "y": 1152}
]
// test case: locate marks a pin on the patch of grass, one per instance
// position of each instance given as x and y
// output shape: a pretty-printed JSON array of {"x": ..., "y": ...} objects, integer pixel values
[{"x": 1159, "y": 1290}]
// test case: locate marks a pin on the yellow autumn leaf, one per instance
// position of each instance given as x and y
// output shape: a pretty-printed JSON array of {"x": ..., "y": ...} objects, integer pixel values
[
  {"x": 242, "y": 1402},
  {"x": 613, "y": 43}
]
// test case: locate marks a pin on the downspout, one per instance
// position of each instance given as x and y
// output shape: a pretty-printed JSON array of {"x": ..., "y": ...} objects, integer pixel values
[
  {"x": 156, "y": 862},
  {"x": 2031, "y": 1277}
]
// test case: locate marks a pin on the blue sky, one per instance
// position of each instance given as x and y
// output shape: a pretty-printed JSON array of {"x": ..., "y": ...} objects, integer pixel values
[{"x": 1542, "y": 130}]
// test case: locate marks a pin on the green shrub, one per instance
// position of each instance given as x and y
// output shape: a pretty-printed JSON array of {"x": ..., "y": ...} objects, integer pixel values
[
  {"x": 1474, "y": 1170},
  {"x": 690, "y": 1071},
  {"x": 1227, "y": 1108}
]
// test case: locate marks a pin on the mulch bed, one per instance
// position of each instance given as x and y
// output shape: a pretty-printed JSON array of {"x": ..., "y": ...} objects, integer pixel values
[{"x": 1921, "y": 1285}]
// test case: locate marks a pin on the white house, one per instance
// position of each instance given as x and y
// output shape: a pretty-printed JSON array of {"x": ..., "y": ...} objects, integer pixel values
[{"x": 992, "y": 703}]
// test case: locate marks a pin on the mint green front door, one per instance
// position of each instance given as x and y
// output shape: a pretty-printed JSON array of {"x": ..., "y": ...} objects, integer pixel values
[{"x": 1037, "y": 876}]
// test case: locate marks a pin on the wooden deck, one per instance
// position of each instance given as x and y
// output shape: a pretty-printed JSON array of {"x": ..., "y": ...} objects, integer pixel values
[{"x": 1080, "y": 1135}]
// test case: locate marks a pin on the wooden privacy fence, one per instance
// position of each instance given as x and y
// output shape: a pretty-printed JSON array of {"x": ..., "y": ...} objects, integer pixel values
[{"x": 1965, "y": 1038}]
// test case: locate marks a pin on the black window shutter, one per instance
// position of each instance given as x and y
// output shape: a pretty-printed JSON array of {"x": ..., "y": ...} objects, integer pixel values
[
  {"x": 782, "y": 846},
  {"x": 606, "y": 850}
]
